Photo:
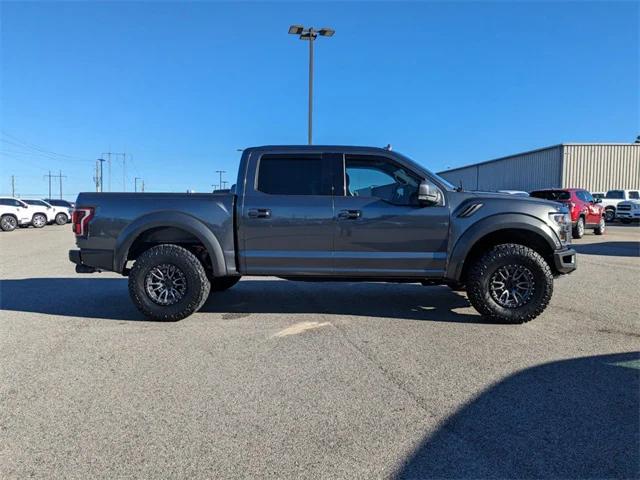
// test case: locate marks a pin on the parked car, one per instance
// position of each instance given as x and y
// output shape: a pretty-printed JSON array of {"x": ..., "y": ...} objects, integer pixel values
[
  {"x": 13, "y": 213},
  {"x": 34, "y": 214},
  {"x": 518, "y": 193},
  {"x": 628, "y": 211},
  {"x": 613, "y": 198},
  {"x": 56, "y": 215},
  {"x": 327, "y": 213},
  {"x": 59, "y": 203},
  {"x": 586, "y": 211}
]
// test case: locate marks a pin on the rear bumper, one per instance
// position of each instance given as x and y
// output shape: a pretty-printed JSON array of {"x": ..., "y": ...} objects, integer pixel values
[
  {"x": 89, "y": 261},
  {"x": 565, "y": 260}
]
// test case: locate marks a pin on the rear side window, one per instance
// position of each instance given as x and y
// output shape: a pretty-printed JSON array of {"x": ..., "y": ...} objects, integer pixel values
[
  {"x": 293, "y": 175},
  {"x": 634, "y": 195},
  {"x": 554, "y": 195},
  {"x": 615, "y": 194}
]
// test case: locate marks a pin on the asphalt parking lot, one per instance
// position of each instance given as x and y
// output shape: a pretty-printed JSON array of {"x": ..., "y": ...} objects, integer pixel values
[{"x": 300, "y": 380}]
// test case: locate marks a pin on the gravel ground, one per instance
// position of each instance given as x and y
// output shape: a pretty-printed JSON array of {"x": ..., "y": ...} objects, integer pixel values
[{"x": 300, "y": 380}]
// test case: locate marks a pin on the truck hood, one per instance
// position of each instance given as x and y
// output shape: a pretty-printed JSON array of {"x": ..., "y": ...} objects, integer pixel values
[{"x": 516, "y": 198}]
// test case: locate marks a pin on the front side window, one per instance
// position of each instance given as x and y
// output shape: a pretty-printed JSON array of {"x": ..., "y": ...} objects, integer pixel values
[
  {"x": 380, "y": 178},
  {"x": 36, "y": 202},
  {"x": 293, "y": 175},
  {"x": 554, "y": 195},
  {"x": 615, "y": 194}
]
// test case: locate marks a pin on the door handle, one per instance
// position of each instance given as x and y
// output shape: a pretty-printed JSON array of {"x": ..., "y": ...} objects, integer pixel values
[
  {"x": 349, "y": 214},
  {"x": 259, "y": 213}
]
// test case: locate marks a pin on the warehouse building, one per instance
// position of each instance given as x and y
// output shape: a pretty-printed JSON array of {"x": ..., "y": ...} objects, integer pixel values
[{"x": 597, "y": 167}]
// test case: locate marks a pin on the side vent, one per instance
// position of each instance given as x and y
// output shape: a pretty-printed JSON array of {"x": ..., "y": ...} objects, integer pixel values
[{"x": 470, "y": 210}]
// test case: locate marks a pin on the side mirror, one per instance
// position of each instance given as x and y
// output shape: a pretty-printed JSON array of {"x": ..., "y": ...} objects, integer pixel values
[{"x": 428, "y": 194}]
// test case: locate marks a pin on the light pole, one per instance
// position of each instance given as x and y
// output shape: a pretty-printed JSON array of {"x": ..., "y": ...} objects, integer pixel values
[
  {"x": 310, "y": 34},
  {"x": 135, "y": 183}
]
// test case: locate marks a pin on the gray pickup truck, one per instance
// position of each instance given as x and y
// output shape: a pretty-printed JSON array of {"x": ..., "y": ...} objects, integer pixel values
[{"x": 327, "y": 213}]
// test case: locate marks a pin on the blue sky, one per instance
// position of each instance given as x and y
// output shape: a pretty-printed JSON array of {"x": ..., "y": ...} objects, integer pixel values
[{"x": 181, "y": 86}]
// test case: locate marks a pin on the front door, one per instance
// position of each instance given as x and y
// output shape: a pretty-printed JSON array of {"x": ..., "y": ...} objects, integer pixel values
[
  {"x": 286, "y": 219},
  {"x": 381, "y": 228}
]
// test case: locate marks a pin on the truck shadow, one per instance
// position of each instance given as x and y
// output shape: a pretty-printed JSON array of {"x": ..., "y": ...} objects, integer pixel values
[
  {"x": 108, "y": 298},
  {"x": 612, "y": 249},
  {"x": 577, "y": 418}
]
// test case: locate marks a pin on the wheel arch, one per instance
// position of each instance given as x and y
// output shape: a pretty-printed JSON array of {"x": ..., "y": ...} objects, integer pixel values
[
  {"x": 504, "y": 228},
  {"x": 167, "y": 227}
]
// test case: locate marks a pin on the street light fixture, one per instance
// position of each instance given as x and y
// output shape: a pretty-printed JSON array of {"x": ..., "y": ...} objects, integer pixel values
[{"x": 310, "y": 34}]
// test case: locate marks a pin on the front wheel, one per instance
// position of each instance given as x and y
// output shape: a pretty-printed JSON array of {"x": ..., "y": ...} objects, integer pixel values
[
  {"x": 609, "y": 215},
  {"x": 8, "y": 223},
  {"x": 602, "y": 225},
  {"x": 61, "y": 219},
  {"x": 39, "y": 220},
  {"x": 578, "y": 230},
  {"x": 168, "y": 282},
  {"x": 510, "y": 283}
]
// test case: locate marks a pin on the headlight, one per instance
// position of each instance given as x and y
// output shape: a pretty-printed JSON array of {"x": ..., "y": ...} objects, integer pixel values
[
  {"x": 561, "y": 218},
  {"x": 636, "y": 206}
]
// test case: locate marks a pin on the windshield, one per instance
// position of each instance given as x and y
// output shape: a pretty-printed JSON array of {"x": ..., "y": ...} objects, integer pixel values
[
  {"x": 554, "y": 195},
  {"x": 615, "y": 194}
]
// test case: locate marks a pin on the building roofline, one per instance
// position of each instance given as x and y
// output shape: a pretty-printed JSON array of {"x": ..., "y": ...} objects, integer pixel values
[{"x": 533, "y": 151}]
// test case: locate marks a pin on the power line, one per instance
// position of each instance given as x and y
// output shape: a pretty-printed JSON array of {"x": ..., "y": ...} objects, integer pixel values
[{"x": 59, "y": 177}]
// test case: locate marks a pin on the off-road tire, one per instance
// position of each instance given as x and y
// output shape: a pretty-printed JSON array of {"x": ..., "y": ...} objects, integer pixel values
[
  {"x": 61, "y": 219},
  {"x": 39, "y": 223},
  {"x": 610, "y": 214},
  {"x": 198, "y": 285},
  {"x": 602, "y": 226},
  {"x": 578, "y": 230},
  {"x": 8, "y": 223},
  {"x": 478, "y": 280},
  {"x": 220, "y": 284}
]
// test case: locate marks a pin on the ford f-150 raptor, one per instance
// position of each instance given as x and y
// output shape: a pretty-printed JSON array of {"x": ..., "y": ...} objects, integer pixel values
[{"x": 327, "y": 213}]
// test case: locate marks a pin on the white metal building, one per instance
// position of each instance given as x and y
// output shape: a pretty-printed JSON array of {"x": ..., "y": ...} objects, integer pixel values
[{"x": 597, "y": 167}]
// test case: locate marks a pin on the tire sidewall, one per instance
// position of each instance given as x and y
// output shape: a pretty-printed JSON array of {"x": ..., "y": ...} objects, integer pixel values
[
  {"x": 181, "y": 259},
  {"x": 39, "y": 215},
  {"x": 578, "y": 231},
  {"x": 13, "y": 223},
  {"x": 63, "y": 218}
]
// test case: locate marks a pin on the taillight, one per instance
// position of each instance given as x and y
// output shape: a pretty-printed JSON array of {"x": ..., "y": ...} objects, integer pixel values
[{"x": 81, "y": 218}]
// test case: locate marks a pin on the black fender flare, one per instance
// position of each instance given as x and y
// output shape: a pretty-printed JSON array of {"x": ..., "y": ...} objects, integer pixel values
[
  {"x": 172, "y": 219},
  {"x": 491, "y": 224}
]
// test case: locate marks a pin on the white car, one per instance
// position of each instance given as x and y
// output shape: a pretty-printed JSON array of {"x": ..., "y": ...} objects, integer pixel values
[
  {"x": 14, "y": 212},
  {"x": 58, "y": 215},
  {"x": 518, "y": 193},
  {"x": 628, "y": 211},
  {"x": 613, "y": 198},
  {"x": 63, "y": 204}
]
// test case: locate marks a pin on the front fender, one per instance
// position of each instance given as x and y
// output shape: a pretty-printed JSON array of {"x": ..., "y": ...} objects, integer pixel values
[
  {"x": 169, "y": 219},
  {"x": 491, "y": 224}
]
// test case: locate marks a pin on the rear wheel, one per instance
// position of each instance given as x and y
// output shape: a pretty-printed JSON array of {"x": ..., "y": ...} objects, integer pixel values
[
  {"x": 219, "y": 284},
  {"x": 61, "y": 219},
  {"x": 510, "y": 283},
  {"x": 8, "y": 223},
  {"x": 578, "y": 230},
  {"x": 168, "y": 282},
  {"x": 39, "y": 220},
  {"x": 602, "y": 225}
]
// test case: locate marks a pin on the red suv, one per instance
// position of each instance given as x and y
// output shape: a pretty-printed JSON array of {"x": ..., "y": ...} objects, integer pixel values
[{"x": 585, "y": 210}]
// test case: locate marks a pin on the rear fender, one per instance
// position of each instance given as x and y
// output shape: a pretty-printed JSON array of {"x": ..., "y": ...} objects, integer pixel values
[{"x": 169, "y": 219}]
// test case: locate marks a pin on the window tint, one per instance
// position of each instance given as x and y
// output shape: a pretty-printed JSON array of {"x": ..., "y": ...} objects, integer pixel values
[
  {"x": 380, "y": 178},
  {"x": 293, "y": 175},
  {"x": 58, "y": 203},
  {"x": 598, "y": 195},
  {"x": 36, "y": 202},
  {"x": 587, "y": 196},
  {"x": 554, "y": 195},
  {"x": 615, "y": 194},
  {"x": 4, "y": 201},
  {"x": 635, "y": 195}
]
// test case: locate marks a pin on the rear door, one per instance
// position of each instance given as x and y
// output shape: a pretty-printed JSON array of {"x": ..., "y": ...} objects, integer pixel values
[
  {"x": 381, "y": 229},
  {"x": 285, "y": 224}
]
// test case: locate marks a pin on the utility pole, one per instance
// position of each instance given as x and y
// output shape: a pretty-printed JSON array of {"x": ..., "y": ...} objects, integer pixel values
[
  {"x": 124, "y": 171},
  {"x": 49, "y": 175},
  {"x": 100, "y": 161},
  {"x": 60, "y": 176},
  {"x": 221, "y": 172},
  {"x": 135, "y": 184},
  {"x": 142, "y": 186},
  {"x": 13, "y": 185}
]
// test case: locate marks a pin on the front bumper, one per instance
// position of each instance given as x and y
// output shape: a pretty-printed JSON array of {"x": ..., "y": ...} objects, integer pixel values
[
  {"x": 565, "y": 260},
  {"x": 628, "y": 214}
]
